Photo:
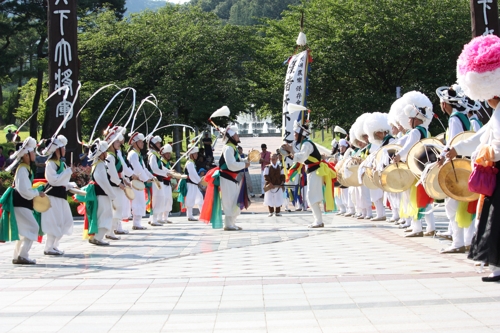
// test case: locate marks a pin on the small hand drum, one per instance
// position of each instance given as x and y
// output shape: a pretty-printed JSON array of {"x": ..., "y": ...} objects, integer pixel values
[
  {"x": 138, "y": 185},
  {"x": 41, "y": 204},
  {"x": 157, "y": 183},
  {"x": 254, "y": 156},
  {"x": 129, "y": 193}
]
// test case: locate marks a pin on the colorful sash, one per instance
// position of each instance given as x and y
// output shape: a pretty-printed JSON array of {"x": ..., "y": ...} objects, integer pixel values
[
  {"x": 90, "y": 224},
  {"x": 8, "y": 222},
  {"x": 211, "y": 211}
]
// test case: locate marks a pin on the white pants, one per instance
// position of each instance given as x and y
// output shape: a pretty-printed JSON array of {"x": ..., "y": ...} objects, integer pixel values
[
  {"x": 347, "y": 200},
  {"x": 340, "y": 204},
  {"x": 52, "y": 243},
  {"x": 363, "y": 202},
  {"x": 315, "y": 196},
  {"x": 416, "y": 225},
  {"x": 27, "y": 229},
  {"x": 168, "y": 201},
  {"x": 461, "y": 236},
  {"x": 379, "y": 207},
  {"x": 229, "y": 197},
  {"x": 394, "y": 199},
  {"x": 22, "y": 248},
  {"x": 353, "y": 197},
  {"x": 193, "y": 198},
  {"x": 117, "y": 207},
  {"x": 104, "y": 213}
]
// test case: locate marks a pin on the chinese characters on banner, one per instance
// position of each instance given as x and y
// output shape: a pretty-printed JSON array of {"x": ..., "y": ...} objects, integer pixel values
[
  {"x": 63, "y": 67},
  {"x": 295, "y": 91},
  {"x": 484, "y": 14}
]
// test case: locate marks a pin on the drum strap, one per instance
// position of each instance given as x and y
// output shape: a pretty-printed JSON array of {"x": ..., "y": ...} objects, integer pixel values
[
  {"x": 423, "y": 132},
  {"x": 463, "y": 119},
  {"x": 118, "y": 162},
  {"x": 477, "y": 121},
  {"x": 386, "y": 140}
]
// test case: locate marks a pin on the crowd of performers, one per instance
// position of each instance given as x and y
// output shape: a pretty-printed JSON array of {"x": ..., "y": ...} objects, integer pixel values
[{"x": 376, "y": 144}]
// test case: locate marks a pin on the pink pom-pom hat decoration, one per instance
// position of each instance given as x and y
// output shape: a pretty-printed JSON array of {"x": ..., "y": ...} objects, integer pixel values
[{"x": 478, "y": 68}]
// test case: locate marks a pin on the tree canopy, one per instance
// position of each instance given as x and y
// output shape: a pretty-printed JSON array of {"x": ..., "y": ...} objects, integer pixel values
[
  {"x": 185, "y": 57},
  {"x": 197, "y": 57},
  {"x": 363, "y": 50}
]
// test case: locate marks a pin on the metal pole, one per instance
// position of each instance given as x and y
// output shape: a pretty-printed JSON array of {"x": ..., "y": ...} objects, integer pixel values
[{"x": 177, "y": 145}]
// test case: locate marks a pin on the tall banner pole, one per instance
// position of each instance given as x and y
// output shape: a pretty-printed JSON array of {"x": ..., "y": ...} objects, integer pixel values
[
  {"x": 296, "y": 86},
  {"x": 484, "y": 17},
  {"x": 63, "y": 70}
]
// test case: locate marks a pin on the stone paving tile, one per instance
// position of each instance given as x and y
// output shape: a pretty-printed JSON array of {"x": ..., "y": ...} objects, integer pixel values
[{"x": 275, "y": 276}]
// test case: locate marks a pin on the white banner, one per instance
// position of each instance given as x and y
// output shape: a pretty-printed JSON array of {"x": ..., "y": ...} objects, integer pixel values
[{"x": 295, "y": 91}]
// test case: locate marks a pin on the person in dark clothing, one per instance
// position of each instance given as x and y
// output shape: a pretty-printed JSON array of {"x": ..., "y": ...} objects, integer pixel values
[
  {"x": 207, "y": 145},
  {"x": 84, "y": 161},
  {"x": 40, "y": 166},
  {"x": 9, "y": 160},
  {"x": 9, "y": 136},
  {"x": 2, "y": 159}
]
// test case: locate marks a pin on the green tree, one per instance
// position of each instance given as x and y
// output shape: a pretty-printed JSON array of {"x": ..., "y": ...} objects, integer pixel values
[
  {"x": 23, "y": 49},
  {"x": 364, "y": 50},
  {"x": 187, "y": 58},
  {"x": 27, "y": 96}
]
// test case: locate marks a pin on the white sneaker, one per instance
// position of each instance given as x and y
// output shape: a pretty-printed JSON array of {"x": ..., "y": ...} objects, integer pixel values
[
  {"x": 270, "y": 214},
  {"x": 278, "y": 214}
]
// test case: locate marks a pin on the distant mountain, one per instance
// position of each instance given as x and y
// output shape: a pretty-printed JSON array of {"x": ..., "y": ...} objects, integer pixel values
[{"x": 135, "y": 6}]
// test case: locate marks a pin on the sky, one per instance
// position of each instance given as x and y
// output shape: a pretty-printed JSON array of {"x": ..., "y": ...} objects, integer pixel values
[{"x": 178, "y": 1}]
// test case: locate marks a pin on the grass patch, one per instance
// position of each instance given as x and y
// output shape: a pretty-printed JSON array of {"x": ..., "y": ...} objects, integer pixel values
[{"x": 328, "y": 137}]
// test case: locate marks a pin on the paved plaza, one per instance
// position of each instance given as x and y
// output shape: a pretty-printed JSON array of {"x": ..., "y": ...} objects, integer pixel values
[{"x": 274, "y": 276}]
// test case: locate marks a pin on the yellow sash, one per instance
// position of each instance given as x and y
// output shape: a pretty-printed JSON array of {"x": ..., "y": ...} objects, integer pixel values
[{"x": 328, "y": 175}]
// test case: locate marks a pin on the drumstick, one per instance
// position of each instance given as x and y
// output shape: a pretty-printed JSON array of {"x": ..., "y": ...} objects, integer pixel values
[
  {"x": 71, "y": 159},
  {"x": 453, "y": 166}
]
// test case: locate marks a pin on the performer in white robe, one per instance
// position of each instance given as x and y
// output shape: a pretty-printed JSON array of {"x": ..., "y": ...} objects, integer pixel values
[
  {"x": 58, "y": 219},
  {"x": 155, "y": 166},
  {"x": 114, "y": 168},
  {"x": 274, "y": 175},
  {"x": 351, "y": 190},
  {"x": 104, "y": 192},
  {"x": 23, "y": 195},
  {"x": 230, "y": 165},
  {"x": 311, "y": 157},
  {"x": 394, "y": 198},
  {"x": 378, "y": 128},
  {"x": 404, "y": 125},
  {"x": 166, "y": 152},
  {"x": 342, "y": 198},
  {"x": 456, "y": 106},
  {"x": 127, "y": 175},
  {"x": 194, "y": 196},
  {"x": 134, "y": 157},
  {"x": 419, "y": 113}
]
